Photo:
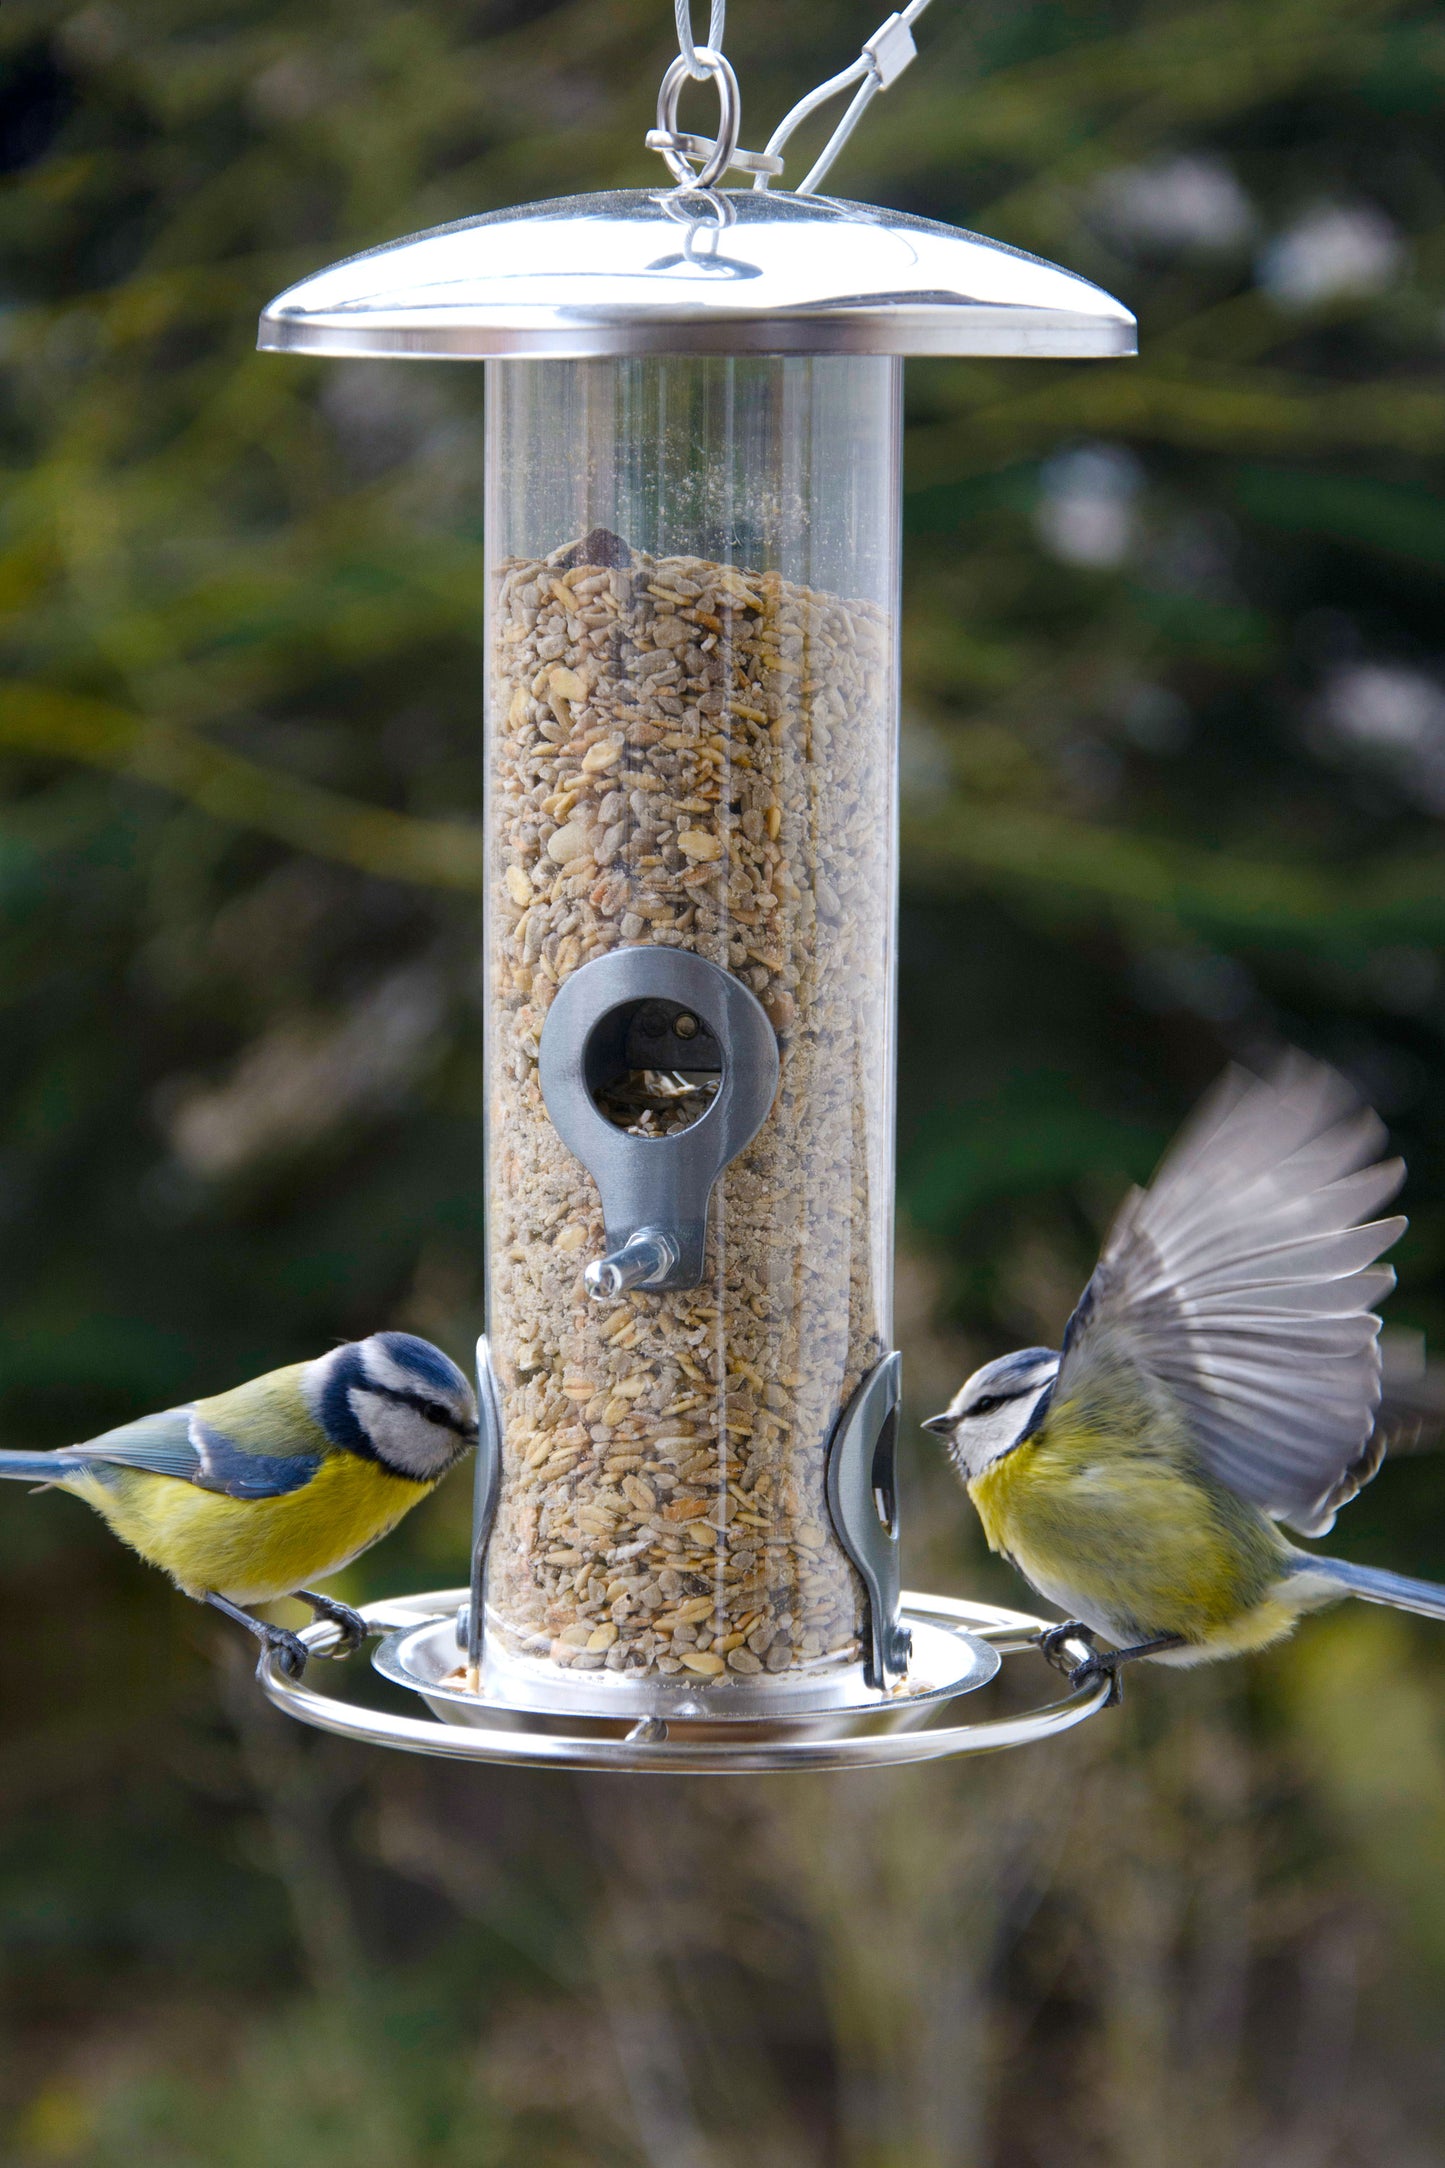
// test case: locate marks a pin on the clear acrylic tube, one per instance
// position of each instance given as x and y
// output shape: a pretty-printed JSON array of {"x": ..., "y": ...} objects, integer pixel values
[{"x": 692, "y": 713}]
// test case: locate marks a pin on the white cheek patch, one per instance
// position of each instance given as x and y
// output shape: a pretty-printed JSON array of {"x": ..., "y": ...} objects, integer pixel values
[
  {"x": 403, "y": 1439},
  {"x": 976, "y": 1445}
]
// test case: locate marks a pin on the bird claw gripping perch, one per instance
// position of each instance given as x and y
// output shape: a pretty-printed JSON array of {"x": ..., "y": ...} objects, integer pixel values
[
  {"x": 289, "y": 1650},
  {"x": 1103, "y": 1664},
  {"x": 1099, "y": 1663},
  {"x": 352, "y": 1628},
  {"x": 1054, "y": 1647},
  {"x": 1052, "y": 1643}
]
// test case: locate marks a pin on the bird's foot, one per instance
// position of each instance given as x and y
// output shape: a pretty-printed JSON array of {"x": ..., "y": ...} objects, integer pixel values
[
  {"x": 1103, "y": 1664},
  {"x": 1098, "y": 1664},
  {"x": 289, "y": 1650},
  {"x": 352, "y": 1627},
  {"x": 1052, "y": 1642}
]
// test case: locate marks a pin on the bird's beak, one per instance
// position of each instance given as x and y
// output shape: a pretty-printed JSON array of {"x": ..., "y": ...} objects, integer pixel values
[{"x": 940, "y": 1425}]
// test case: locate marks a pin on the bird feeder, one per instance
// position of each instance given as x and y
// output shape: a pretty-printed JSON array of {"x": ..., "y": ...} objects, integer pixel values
[{"x": 686, "y": 1542}]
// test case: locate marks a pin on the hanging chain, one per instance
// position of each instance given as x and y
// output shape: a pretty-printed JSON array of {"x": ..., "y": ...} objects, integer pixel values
[{"x": 883, "y": 59}]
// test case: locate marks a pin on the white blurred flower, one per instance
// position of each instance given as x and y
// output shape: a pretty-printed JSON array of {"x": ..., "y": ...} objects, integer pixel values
[
  {"x": 1332, "y": 250},
  {"x": 1085, "y": 513},
  {"x": 1397, "y": 716},
  {"x": 1193, "y": 202}
]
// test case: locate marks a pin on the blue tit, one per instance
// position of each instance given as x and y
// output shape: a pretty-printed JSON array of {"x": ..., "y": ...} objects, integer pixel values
[
  {"x": 1220, "y": 1376},
  {"x": 254, "y": 1493}
]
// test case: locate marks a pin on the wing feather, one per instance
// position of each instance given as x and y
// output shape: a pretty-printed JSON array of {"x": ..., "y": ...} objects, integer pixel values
[
  {"x": 1243, "y": 1281},
  {"x": 179, "y": 1443},
  {"x": 160, "y": 1444}
]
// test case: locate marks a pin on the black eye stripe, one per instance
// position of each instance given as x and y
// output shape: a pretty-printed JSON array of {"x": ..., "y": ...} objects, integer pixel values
[
  {"x": 434, "y": 1411},
  {"x": 987, "y": 1402}
]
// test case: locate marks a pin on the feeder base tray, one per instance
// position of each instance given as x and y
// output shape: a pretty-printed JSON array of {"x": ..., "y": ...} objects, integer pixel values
[{"x": 958, "y": 1647}]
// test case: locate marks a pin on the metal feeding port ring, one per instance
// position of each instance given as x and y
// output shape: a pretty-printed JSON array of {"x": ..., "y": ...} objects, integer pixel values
[{"x": 655, "y": 1010}]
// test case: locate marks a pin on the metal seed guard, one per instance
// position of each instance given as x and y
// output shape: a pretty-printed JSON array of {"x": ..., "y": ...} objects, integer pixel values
[{"x": 685, "y": 1551}]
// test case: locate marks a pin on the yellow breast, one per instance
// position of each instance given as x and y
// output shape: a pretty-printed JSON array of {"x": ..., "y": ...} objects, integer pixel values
[
  {"x": 1130, "y": 1539},
  {"x": 253, "y": 1549}
]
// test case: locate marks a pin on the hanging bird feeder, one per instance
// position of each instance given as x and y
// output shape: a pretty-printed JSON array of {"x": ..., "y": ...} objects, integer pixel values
[{"x": 686, "y": 1538}]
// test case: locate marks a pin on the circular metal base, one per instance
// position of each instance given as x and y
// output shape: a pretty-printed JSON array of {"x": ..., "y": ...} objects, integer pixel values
[
  {"x": 946, "y": 1662},
  {"x": 959, "y": 1643}
]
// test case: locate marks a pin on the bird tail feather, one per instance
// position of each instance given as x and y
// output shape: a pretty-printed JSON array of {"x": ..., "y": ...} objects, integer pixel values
[
  {"x": 1373, "y": 1584},
  {"x": 32, "y": 1467}
]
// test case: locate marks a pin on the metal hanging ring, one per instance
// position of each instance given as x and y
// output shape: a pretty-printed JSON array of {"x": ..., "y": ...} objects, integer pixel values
[
  {"x": 664, "y": 138},
  {"x": 689, "y": 206}
]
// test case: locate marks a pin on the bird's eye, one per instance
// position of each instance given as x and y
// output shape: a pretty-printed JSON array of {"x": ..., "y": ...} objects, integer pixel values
[
  {"x": 433, "y": 1412},
  {"x": 986, "y": 1404}
]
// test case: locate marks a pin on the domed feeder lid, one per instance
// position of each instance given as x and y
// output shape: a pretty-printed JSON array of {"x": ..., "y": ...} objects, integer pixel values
[{"x": 710, "y": 272}]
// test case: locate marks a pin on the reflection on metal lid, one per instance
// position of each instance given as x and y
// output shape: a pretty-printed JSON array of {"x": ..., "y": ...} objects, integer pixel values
[{"x": 718, "y": 273}]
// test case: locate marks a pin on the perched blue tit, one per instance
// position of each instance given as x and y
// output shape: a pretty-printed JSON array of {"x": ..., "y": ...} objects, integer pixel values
[
  {"x": 254, "y": 1493},
  {"x": 1220, "y": 1375}
]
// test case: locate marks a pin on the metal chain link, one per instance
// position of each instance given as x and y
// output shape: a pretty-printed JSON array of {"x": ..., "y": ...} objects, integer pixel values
[{"x": 697, "y": 68}]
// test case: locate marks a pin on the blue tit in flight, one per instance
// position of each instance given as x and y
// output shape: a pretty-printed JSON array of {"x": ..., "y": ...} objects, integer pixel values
[
  {"x": 255, "y": 1493},
  {"x": 1220, "y": 1376}
]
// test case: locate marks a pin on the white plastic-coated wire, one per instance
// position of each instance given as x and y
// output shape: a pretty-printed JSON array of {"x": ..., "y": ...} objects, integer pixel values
[
  {"x": 696, "y": 68},
  {"x": 858, "y": 105},
  {"x": 883, "y": 58}
]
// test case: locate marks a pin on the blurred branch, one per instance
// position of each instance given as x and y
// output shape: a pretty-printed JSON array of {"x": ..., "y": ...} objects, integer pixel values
[
  {"x": 392, "y": 846},
  {"x": 1233, "y": 412},
  {"x": 1111, "y": 866}
]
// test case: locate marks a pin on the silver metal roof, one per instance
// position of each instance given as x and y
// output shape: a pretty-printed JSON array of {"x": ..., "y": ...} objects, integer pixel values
[{"x": 635, "y": 272}]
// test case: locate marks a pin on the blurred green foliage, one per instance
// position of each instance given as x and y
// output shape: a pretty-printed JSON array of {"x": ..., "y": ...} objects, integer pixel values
[{"x": 1174, "y": 767}]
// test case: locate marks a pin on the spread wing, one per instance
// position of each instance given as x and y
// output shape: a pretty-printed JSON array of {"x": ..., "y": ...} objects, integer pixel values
[
  {"x": 178, "y": 1442},
  {"x": 1243, "y": 1282}
]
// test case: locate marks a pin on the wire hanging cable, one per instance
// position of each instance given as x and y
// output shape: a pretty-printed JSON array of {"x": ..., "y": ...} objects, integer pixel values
[
  {"x": 716, "y": 21},
  {"x": 883, "y": 59}
]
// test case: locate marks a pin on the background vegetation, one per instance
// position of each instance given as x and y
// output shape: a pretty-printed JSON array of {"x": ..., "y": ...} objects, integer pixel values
[{"x": 1175, "y": 761}]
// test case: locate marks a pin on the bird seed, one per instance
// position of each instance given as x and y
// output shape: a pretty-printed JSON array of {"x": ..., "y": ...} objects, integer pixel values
[{"x": 687, "y": 754}]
